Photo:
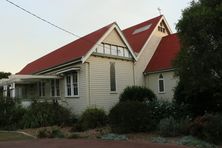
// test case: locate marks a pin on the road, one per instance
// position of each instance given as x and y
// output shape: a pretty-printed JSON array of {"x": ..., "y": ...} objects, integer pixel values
[{"x": 80, "y": 143}]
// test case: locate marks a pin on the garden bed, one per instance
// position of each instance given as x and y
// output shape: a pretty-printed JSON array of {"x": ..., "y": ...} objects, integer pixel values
[{"x": 12, "y": 136}]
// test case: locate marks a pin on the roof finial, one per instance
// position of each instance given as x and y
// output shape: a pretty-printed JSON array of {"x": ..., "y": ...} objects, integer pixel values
[{"x": 159, "y": 10}]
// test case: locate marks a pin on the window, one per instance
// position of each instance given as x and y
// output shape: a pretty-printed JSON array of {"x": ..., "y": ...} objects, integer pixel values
[
  {"x": 161, "y": 84},
  {"x": 100, "y": 48},
  {"x": 120, "y": 51},
  {"x": 126, "y": 52},
  {"x": 72, "y": 84},
  {"x": 113, "y": 50},
  {"x": 112, "y": 77},
  {"x": 55, "y": 91},
  {"x": 41, "y": 86},
  {"x": 75, "y": 83},
  {"x": 107, "y": 49}
]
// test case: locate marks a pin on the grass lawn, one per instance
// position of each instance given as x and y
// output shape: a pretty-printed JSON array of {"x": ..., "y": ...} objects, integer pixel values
[{"x": 7, "y": 136}]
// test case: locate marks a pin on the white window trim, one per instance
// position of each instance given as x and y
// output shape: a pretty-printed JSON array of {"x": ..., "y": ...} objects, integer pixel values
[
  {"x": 161, "y": 79},
  {"x": 41, "y": 89},
  {"x": 72, "y": 92},
  {"x": 54, "y": 81}
]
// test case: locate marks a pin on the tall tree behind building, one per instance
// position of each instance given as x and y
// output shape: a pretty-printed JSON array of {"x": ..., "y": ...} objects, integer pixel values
[{"x": 199, "y": 63}]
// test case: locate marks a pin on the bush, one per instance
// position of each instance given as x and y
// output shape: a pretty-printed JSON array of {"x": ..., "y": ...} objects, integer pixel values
[
  {"x": 41, "y": 114},
  {"x": 50, "y": 133},
  {"x": 168, "y": 127},
  {"x": 164, "y": 109},
  {"x": 43, "y": 133},
  {"x": 130, "y": 116},
  {"x": 92, "y": 118},
  {"x": 137, "y": 93},
  {"x": 160, "y": 109},
  {"x": 10, "y": 114},
  {"x": 194, "y": 142},
  {"x": 208, "y": 127}
]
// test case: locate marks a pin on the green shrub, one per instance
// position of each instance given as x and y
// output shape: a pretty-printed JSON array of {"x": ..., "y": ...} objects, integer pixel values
[
  {"x": 130, "y": 116},
  {"x": 164, "y": 109},
  {"x": 10, "y": 113},
  {"x": 194, "y": 142},
  {"x": 92, "y": 118},
  {"x": 43, "y": 133},
  {"x": 137, "y": 93},
  {"x": 208, "y": 127},
  {"x": 74, "y": 136},
  {"x": 56, "y": 133},
  {"x": 50, "y": 133},
  {"x": 41, "y": 114},
  {"x": 160, "y": 109},
  {"x": 168, "y": 127}
]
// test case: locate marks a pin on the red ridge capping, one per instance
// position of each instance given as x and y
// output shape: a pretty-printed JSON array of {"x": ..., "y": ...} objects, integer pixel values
[
  {"x": 69, "y": 52},
  {"x": 138, "y": 40},
  {"x": 165, "y": 53}
]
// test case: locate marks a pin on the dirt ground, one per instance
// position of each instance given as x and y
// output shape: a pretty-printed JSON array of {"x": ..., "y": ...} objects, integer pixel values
[{"x": 80, "y": 143}]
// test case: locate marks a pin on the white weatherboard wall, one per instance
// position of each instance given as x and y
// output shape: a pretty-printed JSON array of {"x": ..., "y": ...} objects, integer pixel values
[
  {"x": 100, "y": 94},
  {"x": 76, "y": 104},
  {"x": 146, "y": 55},
  {"x": 170, "y": 82}
]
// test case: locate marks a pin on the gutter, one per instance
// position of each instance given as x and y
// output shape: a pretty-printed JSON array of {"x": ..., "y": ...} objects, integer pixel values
[
  {"x": 158, "y": 71},
  {"x": 57, "y": 67}
]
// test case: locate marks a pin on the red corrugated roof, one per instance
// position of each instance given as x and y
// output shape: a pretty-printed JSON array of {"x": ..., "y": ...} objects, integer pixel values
[
  {"x": 67, "y": 53},
  {"x": 165, "y": 53},
  {"x": 138, "y": 40}
]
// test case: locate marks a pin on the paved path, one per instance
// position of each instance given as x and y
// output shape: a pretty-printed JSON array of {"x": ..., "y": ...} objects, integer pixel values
[{"x": 66, "y": 143}]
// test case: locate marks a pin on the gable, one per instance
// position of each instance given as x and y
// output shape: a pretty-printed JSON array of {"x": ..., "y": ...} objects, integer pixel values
[
  {"x": 162, "y": 28},
  {"x": 113, "y": 44},
  {"x": 114, "y": 38}
]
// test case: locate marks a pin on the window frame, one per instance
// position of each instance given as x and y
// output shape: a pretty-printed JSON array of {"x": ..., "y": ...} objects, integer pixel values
[
  {"x": 161, "y": 79},
  {"x": 115, "y": 82},
  {"x": 71, "y": 75},
  {"x": 41, "y": 89},
  {"x": 54, "y": 87}
]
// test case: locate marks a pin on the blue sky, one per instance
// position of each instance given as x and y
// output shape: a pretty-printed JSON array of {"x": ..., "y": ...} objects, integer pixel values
[{"x": 24, "y": 38}]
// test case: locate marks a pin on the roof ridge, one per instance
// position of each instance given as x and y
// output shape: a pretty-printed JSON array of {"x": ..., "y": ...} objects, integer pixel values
[{"x": 143, "y": 22}]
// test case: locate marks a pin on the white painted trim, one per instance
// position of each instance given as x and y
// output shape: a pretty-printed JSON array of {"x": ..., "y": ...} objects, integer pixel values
[
  {"x": 168, "y": 27},
  {"x": 72, "y": 92},
  {"x": 54, "y": 83},
  {"x": 20, "y": 78},
  {"x": 147, "y": 41},
  {"x": 58, "y": 66},
  {"x": 66, "y": 70},
  {"x": 84, "y": 58}
]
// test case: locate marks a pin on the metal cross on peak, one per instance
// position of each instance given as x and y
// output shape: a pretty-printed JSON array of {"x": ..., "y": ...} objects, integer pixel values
[{"x": 159, "y": 10}]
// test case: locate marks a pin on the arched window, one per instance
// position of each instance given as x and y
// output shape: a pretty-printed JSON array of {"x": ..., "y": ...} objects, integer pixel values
[
  {"x": 161, "y": 84},
  {"x": 112, "y": 77}
]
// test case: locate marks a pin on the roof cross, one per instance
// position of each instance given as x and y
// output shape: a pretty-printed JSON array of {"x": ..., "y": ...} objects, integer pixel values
[{"x": 159, "y": 10}]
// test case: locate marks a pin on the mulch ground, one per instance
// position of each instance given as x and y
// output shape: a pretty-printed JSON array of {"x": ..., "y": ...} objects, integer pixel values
[{"x": 80, "y": 143}]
